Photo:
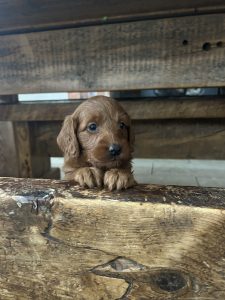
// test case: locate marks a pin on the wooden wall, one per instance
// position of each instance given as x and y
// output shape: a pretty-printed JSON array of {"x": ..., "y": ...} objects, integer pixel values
[
  {"x": 164, "y": 128},
  {"x": 175, "y": 44}
]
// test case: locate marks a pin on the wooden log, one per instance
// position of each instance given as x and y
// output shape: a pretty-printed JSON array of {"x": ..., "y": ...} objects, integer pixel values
[
  {"x": 188, "y": 139},
  {"x": 163, "y": 53},
  {"x": 16, "y": 16},
  {"x": 138, "y": 109},
  {"x": 151, "y": 242}
]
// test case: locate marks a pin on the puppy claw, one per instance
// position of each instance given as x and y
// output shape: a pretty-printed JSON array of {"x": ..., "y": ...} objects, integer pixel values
[
  {"x": 118, "y": 179},
  {"x": 89, "y": 177}
]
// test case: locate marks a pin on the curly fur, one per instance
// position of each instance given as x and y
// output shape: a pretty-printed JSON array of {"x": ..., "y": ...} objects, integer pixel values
[{"x": 87, "y": 159}]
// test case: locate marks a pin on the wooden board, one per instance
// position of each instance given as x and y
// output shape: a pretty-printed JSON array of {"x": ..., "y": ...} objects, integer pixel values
[
  {"x": 138, "y": 109},
  {"x": 166, "y": 53},
  {"x": 8, "y": 153},
  {"x": 188, "y": 139},
  {"x": 197, "y": 139},
  {"x": 33, "y": 161},
  {"x": 8, "y": 150},
  {"x": 21, "y": 15},
  {"x": 19, "y": 154},
  {"x": 8, "y": 99},
  {"x": 61, "y": 242}
]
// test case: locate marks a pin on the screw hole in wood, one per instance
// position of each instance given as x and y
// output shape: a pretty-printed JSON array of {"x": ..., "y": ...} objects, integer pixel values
[
  {"x": 219, "y": 44},
  {"x": 185, "y": 42},
  {"x": 206, "y": 46}
]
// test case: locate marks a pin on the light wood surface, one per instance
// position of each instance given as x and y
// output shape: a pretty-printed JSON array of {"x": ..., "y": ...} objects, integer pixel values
[{"x": 151, "y": 242}]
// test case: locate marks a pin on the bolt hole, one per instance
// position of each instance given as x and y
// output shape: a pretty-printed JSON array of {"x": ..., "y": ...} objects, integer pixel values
[
  {"x": 185, "y": 42},
  {"x": 170, "y": 281},
  {"x": 219, "y": 44},
  {"x": 206, "y": 46}
]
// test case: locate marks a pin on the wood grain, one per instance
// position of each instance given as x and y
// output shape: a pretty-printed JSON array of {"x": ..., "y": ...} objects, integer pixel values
[
  {"x": 196, "y": 139},
  {"x": 181, "y": 139},
  {"x": 153, "y": 242},
  {"x": 19, "y": 154},
  {"x": 8, "y": 155},
  {"x": 8, "y": 150},
  {"x": 138, "y": 109},
  {"x": 22, "y": 15},
  {"x": 133, "y": 55}
]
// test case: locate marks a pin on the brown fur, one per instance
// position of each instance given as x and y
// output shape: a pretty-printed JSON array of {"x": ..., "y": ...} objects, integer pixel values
[{"x": 86, "y": 154}]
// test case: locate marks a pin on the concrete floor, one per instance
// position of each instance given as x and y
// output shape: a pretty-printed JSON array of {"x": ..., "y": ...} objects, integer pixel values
[{"x": 209, "y": 173}]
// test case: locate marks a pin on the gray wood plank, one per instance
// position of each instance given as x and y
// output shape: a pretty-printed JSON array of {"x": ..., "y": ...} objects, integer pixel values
[
  {"x": 197, "y": 139},
  {"x": 138, "y": 109},
  {"x": 134, "y": 55},
  {"x": 17, "y": 15}
]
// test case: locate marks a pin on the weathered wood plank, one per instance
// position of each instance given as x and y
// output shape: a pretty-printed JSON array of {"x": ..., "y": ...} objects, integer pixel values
[
  {"x": 20, "y": 155},
  {"x": 8, "y": 99},
  {"x": 165, "y": 53},
  {"x": 8, "y": 153},
  {"x": 197, "y": 139},
  {"x": 21, "y": 15},
  {"x": 23, "y": 149},
  {"x": 33, "y": 161},
  {"x": 188, "y": 139},
  {"x": 138, "y": 109},
  {"x": 61, "y": 242}
]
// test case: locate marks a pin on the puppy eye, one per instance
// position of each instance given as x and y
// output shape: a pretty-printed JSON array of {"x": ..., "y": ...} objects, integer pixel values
[
  {"x": 92, "y": 127},
  {"x": 122, "y": 125}
]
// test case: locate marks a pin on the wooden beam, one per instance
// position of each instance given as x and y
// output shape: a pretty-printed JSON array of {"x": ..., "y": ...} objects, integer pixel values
[
  {"x": 33, "y": 161},
  {"x": 19, "y": 154},
  {"x": 8, "y": 99},
  {"x": 180, "y": 139},
  {"x": 138, "y": 109},
  {"x": 165, "y": 53},
  {"x": 8, "y": 150},
  {"x": 188, "y": 139},
  {"x": 16, "y": 16},
  {"x": 153, "y": 242},
  {"x": 8, "y": 153}
]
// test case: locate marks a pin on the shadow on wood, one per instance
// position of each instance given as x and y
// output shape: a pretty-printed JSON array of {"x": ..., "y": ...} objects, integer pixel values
[{"x": 151, "y": 242}]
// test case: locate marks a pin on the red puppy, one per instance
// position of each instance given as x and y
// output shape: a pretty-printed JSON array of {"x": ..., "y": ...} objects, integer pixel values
[{"x": 97, "y": 143}]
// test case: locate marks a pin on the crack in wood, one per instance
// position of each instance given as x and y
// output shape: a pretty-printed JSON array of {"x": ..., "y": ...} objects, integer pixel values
[{"x": 162, "y": 279}]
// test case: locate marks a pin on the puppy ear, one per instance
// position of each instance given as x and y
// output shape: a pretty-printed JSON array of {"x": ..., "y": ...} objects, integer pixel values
[{"x": 67, "y": 138}]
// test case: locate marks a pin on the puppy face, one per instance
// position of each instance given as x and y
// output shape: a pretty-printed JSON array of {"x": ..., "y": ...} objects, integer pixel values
[{"x": 99, "y": 133}]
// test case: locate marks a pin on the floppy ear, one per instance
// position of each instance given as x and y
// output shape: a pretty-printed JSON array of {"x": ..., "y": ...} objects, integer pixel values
[{"x": 67, "y": 138}]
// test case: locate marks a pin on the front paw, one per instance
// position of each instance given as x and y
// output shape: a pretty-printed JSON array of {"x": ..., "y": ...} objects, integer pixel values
[
  {"x": 118, "y": 179},
  {"x": 89, "y": 177}
]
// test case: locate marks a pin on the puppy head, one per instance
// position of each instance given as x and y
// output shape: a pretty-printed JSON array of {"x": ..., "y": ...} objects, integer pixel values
[{"x": 99, "y": 131}]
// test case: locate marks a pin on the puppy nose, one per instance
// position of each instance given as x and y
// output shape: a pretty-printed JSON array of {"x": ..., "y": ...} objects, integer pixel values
[{"x": 115, "y": 149}]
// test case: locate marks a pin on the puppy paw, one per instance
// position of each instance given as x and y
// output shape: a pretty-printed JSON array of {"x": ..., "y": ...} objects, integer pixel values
[
  {"x": 89, "y": 177},
  {"x": 118, "y": 179}
]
